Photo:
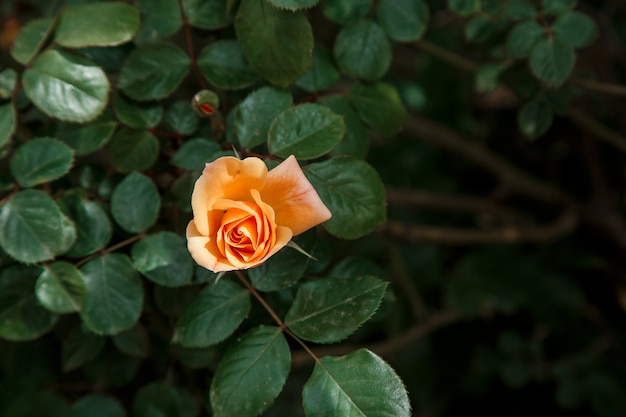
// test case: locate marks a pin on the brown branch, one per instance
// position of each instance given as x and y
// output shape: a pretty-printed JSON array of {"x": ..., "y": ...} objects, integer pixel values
[
  {"x": 598, "y": 86},
  {"x": 457, "y": 236},
  {"x": 192, "y": 55},
  {"x": 593, "y": 126},
  {"x": 439, "y": 135},
  {"x": 384, "y": 348}
]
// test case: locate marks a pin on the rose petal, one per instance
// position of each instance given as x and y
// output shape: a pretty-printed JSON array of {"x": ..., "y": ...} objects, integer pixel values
[
  {"x": 225, "y": 178},
  {"x": 295, "y": 202},
  {"x": 204, "y": 251}
]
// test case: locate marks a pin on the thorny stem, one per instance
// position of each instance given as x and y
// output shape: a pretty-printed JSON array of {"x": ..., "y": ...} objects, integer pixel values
[
  {"x": 110, "y": 249},
  {"x": 192, "y": 55}
]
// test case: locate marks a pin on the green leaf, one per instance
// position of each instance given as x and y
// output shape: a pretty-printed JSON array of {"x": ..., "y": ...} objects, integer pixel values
[
  {"x": 535, "y": 117},
  {"x": 207, "y": 14},
  {"x": 552, "y": 61},
  {"x": 286, "y": 267},
  {"x": 195, "y": 153},
  {"x": 557, "y": 6},
  {"x": 111, "y": 369},
  {"x": 133, "y": 150},
  {"x": 464, "y": 7},
  {"x": 97, "y": 24},
  {"x": 172, "y": 301},
  {"x": 520, "y": 9},
  {"x": 358, "y": 384},
  {"x": 164, "y": 259},
  {"x": 21, "y": 316},
  {"x": 144, "y": 76},
  {"x": 277, "y": 43},
  {"x": 159, "y": 19},
  {"x": 362, "y": 50},
  {"x": 294, "y": 4},
  {"x": 92, "y": 225},
  {"x": 479, "y": 29},
  {"x": 343, "y": 11},
  {"x": 137, "y": 115},
  {"x": 307, "y": 131},
  {"x": 256, "y": 112},
  {"x": 31, "y": 39},
  {"x": 223, "y": 64},
  {"x": 87, "y": 138},
  {"x": 79, "y": 347},
  {"x": 322, "y": 73},
  {"x": 380, "y": 106},
  {"x": 7, "y": 120},
  {"x": 197, "y": 358},
  {"x": 97, "y": 405},
  {"x": 213, "y": 315},
  {"x": 354, "y": 194},
  {"x": 8, "y": 81},
  {"x": 41, "y": 160},
  {"x": 180, "y": 118},
  {"x": 523, "y": 38},
  {"x": 260, "y": 359},
  {"x": 403, "y": 20},
  {"x": 163, "y": 399},
  {"x": 33, "y": 229},
  {"x": 357, "y": 138},
  {"x": 488, "y": 77},
  {"x": 133, "y": 342},
  {"x": 66, "y": 86},
  {"x": 61, "y": 288},
  {"x": 31, "y": 403},
  {"x": 135, "y": 203},
  {"x": 329, "y": 310},
  {"x": 575, "y": 28},
  {"x": 114, "y": 294}
]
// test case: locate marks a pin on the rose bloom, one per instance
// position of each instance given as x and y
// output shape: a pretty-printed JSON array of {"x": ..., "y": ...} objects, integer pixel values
[{"x": 243, "y": 214}]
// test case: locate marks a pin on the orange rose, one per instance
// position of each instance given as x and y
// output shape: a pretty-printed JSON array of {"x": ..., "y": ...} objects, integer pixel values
[{"x": 243, "y": 214}]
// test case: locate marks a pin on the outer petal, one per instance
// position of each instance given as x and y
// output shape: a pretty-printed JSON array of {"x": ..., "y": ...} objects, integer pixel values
[
  {"x": 228, "y": 178},
  {"x": 293, "y": 198},
  {"x": 204, "y": 251}
]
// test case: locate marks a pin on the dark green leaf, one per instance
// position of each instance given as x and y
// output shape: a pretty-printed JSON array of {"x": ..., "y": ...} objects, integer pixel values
[
  {"x": 30, "y": 39},
  {"x": 144, "y": 75},
  {"x": 135, "y": 203},
  {"x": 7, "y": 120},
  {"x": 329, "y": 310},
  {"x": 172, "y": 301},
  {"x": 180, "y": 118},
  {"x": 40, "y": 160},
  {"x": 163, "y": 399},
  {"x": 223, "y": 64},
  {"x": 66, "y": 86},
  {"x": 111, "y": 369},
  {"x": 575, "y": 28},
  {"x": 322, "y": 73},
  {"x": 195, "y": 153},
  {"x": 8, "y": 81},
  {"x": 557, "y": 6},
  {"x": 464, "y": 7},
  {"x": 21, "y": 316},
  {"x": 354, "y": 194},
  {"x": 61, "y": 288},
  {"x": 197, "y": 358},
  {"x": 87, "y": 138},
  {"x": 164, "y": 259},
  {"x": 362, "y": 50},
  {"x": 380, "y": 106},
  {"x": 79, "y": 347},
  {"x": 99, "y": 24},
  {"x": 92, "y": 225},
  {"x": 256, "y": 112},
  {"x": 114, "y": 294},
  {"x": 307, "y": 131},
  {"x": 160, "y": 18},
  {"x": 137, "y": 115},
  {"x": 523, "y": 38},
  {"x": 520, "y": 9},
  {"x": 133, "y": 342},
  {"x": 552, "y": 61},
  {"x": 97, "y": 405},
  {"x": 133, "y": 150},
  {"x": 277, "y": 43},
  {"x": 358, "y": 384},
  {"x": 207, "y": 14},
  {"x": 33, "y": 229},
  {"x": 479, "y": 29},
  {"x": 403, "y": 20},
  {"x": 488, "y": 77},
  {"x": 355, "y": 266},
  {"x": 357, "y": 138},
  {"x": 294, "y": 4},
  {"x": 37, "y": 404},
  {"x": 213, "y": 315},
  {"x": 535, "y": 117},
  {"x": 343, "y": 11},
  {"x": 259, "y": 359},
  {"x": 110, "y": 58},
  {"x": 284, "y": 268}
]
